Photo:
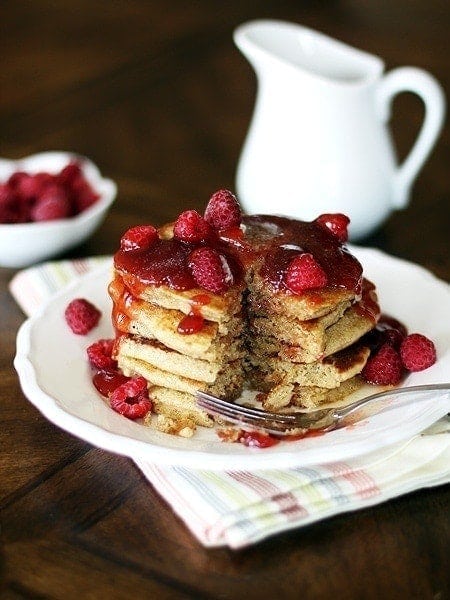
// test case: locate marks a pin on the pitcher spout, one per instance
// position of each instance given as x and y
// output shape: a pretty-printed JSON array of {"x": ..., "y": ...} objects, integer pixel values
[{"x": 270, "y": 44}]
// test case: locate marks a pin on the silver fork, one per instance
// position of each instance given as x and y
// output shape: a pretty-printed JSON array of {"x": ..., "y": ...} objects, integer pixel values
[{"x": 324, "y": 419}]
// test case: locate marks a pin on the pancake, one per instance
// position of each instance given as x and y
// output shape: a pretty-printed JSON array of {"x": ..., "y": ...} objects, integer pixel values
[
  {"x": 177, "y": 412},
  {"x": 310, "y": 305},
  {"x": 309, "y": 341},
  {"x": 227, "y": 384},
  {"x": 146, "y": 320},
  {"x": 266, "y": 371},
  {"x": 290, "y": 397}
]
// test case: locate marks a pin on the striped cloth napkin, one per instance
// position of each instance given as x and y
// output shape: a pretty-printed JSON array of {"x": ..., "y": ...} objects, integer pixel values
[{"x": 237, "y": 508}]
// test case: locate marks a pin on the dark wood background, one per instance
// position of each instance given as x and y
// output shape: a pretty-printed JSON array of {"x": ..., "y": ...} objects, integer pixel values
[{"x": 158, "y": 96}]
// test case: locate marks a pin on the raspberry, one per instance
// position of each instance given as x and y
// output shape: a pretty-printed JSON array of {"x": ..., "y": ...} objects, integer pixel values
[
  {"x": 392, "y": 331},
  {"x": 131, "y": 399},
  {"x": 388, "y": 330},
  {"x": 384, "y": 367},
  {"x": 223, "y": 210},
  {"x": 191, "y": 227},
  {"x": 51, "y": 205},
  {"x": 386, "y": 322},
  {"x": 141, "y": 237},
  {"x": 15, "y": 178},
  {"x": 69, "y": 174},
  {"x": 100, "y": 355},
  {"x": 9, "y": 205},
  {"x": 32, "y": 186},
  {"x": 210, "y": 269},
  {"x": 393, "y": 337},
  {"x": 82, "y": 316},
  {"x": 82, "y": 194},
  {"x": 417, "y": 352},
  {"x": 337, "y": 223},
  {"x": 304, "y": 273}
]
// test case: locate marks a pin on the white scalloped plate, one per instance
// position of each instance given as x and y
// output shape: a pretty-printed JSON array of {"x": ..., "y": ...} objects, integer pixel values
[{"x": 56, "y": 378}]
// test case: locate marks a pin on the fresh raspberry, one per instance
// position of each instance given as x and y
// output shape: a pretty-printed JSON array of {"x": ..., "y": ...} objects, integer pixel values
[
  {"x": 384, "y": 367},
  {"x": 9, "y": 205},
  {"x": 82, "y": 316},
  {"x": 191, "y": 227},
  {"x": 13, "y": 207},
  {"x": 337, "y": 223},
  {"x": 210, "y": 269},
  {"x": 386, "y": 322},
  {"x": 15, "y": 178},
  {"x": 70, "y": 173},
  {"x": 392, "y": 331},
  {"x": 100, "y": 355},
  {"x": 131, "y": 399},
  {"x": 82, "y": 195},
  {"x": 32, "y": 186},
  {"x": 52, "y": 204},
  {"x": 393, "y": 337},
  {"x": 388, "y": 330},
  {"x": 223, "y": 210},
  {"x": 304, "y": 273},
  {"x": 141, "y": 237},
  {"x": 417, "y": 352}
]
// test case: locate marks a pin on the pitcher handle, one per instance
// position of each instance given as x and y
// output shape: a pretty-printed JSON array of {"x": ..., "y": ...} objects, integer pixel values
[{"x": 411, "y": 79}]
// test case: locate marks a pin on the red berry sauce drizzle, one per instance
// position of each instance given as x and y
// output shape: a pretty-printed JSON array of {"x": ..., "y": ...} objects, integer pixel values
[
  {"x": 105, "y": 382},
  {"x": 166, "y": 262},
  {"x": 294, "y": 238},
  {"x": 217, "y": 258},
  {"x": 193, "y": 322}
]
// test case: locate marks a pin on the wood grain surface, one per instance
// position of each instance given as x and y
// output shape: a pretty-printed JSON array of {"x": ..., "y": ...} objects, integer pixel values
[{"x": 159, "y": 97}]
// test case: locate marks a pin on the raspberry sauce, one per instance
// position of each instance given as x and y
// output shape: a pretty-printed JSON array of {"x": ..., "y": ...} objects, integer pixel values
[
  {"x": 106, "y": 382},
  {"x": 294, "y": 237},
  {"x": 256, "y": 439},
  {"x": 368, "y": 305},
  {"x": 191, "y": 323},
  {"x": 122, "y": 302},
  {"x": 277, "y": 240},
  {"x": 165, "y": 263},
  {"x": 194, "y": 321}
]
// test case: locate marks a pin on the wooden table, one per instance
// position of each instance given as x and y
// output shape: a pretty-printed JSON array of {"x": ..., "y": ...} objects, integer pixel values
[{"x": 158, "y": 96}]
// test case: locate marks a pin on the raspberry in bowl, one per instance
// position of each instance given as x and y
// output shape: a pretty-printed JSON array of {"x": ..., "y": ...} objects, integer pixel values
[{"x": 49, "y": 203}]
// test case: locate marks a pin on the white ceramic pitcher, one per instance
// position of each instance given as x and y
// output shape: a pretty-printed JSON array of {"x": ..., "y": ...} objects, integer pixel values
[{"x": 319, "y": 139}]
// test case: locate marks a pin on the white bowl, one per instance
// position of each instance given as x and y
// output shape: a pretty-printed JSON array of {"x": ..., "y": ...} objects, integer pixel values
[{"x": 22, "y": 244}]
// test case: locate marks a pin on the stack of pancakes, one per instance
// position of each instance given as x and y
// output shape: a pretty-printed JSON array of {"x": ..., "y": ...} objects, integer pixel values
[
  {"x": 307, "y": 353},
  {"x": 176, "y": 365},
  {"x": 300, "y": 351}
]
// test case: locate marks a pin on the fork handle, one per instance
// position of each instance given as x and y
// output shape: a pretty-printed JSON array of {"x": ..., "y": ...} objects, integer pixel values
[{"x": 379, "y": 400}]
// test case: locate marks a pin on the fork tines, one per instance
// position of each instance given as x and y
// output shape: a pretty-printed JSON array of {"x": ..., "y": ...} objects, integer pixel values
[{"x": 225, "y": 409}]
